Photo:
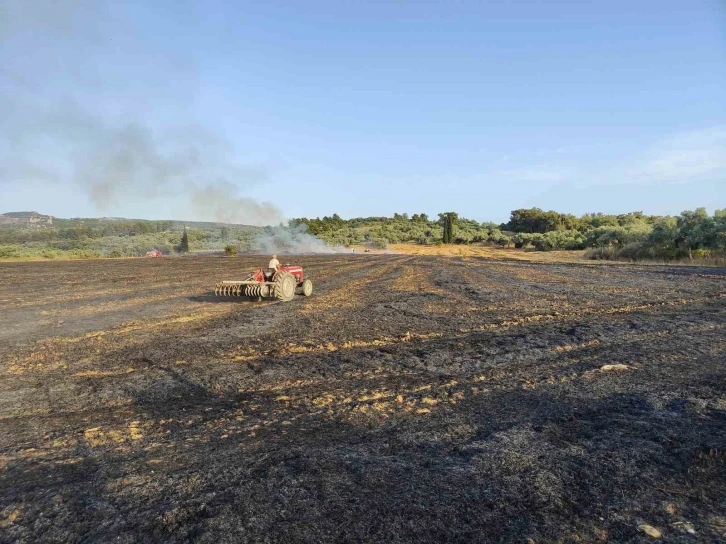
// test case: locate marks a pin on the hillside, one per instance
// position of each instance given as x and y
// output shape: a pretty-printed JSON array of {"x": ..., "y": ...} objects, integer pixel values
[{"x": 30, "y": 235}]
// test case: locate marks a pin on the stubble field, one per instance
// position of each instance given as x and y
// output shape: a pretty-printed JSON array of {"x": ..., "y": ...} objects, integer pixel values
[{"x": 410, "y": 399}]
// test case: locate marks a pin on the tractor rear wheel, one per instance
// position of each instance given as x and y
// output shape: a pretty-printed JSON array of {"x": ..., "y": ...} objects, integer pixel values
[
  {"x": 307, "y": 288},
  {"x": 284, "y": 288}
]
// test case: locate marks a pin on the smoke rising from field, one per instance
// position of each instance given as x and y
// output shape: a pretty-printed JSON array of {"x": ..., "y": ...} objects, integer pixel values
[
  {"x": 218, "y": 200},
  {"x": 93, "y": 113},
  {"x": 292, "y": 240}
]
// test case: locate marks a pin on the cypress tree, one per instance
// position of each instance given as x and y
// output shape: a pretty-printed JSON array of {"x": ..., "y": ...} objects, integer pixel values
[
  {"x": 184, "y": 246},
  {"x": 448, "y": 220}
]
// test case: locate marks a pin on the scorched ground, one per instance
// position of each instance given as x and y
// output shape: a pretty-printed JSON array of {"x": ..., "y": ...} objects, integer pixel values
[{"x": 410, "y": 399}]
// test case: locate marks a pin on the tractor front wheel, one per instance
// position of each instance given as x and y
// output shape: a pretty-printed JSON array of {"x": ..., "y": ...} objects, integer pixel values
[{"x": 307, "y": 288}]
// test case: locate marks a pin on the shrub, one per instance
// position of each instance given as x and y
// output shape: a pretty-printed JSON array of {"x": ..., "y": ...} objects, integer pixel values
[
  {"x": 497, "y": 237},
  {"x": 230, "y": 250},
  {"x": 8, "y": 252},
  {"x": 702, "y": 253},
  {"x": 632, "y": 251},
  {"x": 617, "y": 236},
  {"x": 600, "y": 253},
  {"x": 561, "y": 239},
  {"x": 50, "y": 253},
  {"x": 379, "y": 243},
  {"x": 82, "y": 254}
]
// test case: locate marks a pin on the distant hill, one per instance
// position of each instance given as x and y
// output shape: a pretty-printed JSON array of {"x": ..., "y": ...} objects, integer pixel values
[
  {"x": 36, "y": 219},
  {"x": 20, "y": 214},
  {"x": 25, "y": 219}
]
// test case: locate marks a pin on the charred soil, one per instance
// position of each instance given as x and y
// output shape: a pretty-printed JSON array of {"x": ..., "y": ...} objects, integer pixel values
[{"x": 410, "y": 399}]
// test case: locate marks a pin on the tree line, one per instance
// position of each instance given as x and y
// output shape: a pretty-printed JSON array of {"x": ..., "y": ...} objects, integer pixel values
[
  {"x": 630, "y": 235},
  {"x": 633, "y": 235}
]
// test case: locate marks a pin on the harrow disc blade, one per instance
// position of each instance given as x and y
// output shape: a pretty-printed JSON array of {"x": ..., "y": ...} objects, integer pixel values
[
  {"x": 228, "y": 290},
  {"x": 224, "y": 289}
]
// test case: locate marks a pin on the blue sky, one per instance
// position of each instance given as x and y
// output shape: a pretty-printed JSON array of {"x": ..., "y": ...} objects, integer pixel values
[{"x": 253, "y": 112}]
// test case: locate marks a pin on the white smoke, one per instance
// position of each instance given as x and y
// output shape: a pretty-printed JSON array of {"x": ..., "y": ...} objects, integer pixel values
[
  {"x": 221, "y": 201},
  {"x": 294, "y": 240}
]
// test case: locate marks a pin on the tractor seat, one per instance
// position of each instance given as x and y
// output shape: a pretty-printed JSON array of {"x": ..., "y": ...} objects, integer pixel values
[{"x": 269, "y": 273}]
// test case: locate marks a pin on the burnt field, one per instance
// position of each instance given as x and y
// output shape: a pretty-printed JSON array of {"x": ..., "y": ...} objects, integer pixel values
[{"x": 410, "y": 399}]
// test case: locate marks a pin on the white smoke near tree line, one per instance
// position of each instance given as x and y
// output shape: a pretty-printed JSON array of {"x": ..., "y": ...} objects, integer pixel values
[{"x": 293, "y": 239}]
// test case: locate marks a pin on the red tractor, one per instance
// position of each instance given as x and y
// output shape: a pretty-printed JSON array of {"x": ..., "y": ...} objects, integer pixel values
[{"x": 282, "y": 284}]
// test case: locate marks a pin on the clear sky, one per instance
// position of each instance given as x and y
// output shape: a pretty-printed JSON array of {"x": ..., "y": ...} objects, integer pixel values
[{"x": 209, "y": 109}]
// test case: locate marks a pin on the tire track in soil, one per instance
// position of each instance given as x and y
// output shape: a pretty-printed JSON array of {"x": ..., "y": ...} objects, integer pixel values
[
  {"x": 480, "y": 355},
  {"x": 418, "y": 398}
]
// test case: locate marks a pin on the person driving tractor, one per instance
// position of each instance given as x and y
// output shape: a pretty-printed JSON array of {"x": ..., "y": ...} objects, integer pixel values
[{"x": 274, "y": 263}]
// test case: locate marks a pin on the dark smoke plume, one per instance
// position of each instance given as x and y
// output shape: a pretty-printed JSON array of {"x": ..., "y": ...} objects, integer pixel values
[{"x": 66, "y": 116}]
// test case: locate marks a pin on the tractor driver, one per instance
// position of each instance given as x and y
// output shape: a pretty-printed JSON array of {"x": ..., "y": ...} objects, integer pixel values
[{"x": 274, "y": 263}]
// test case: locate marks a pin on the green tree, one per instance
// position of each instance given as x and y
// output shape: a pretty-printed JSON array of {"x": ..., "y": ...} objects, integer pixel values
[
  {"x": 719, "y": 229},
  {"x": 420, "y": 218},
  {"x": 664, "y": 234},
  {"x": 691, "y": 229},
  {"x": 536, "y": 220},
  {"x": 447, "y": 221}
]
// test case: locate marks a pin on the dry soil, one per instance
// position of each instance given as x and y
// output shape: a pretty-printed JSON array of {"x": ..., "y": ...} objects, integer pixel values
[{"x": 410, "y": 399}]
